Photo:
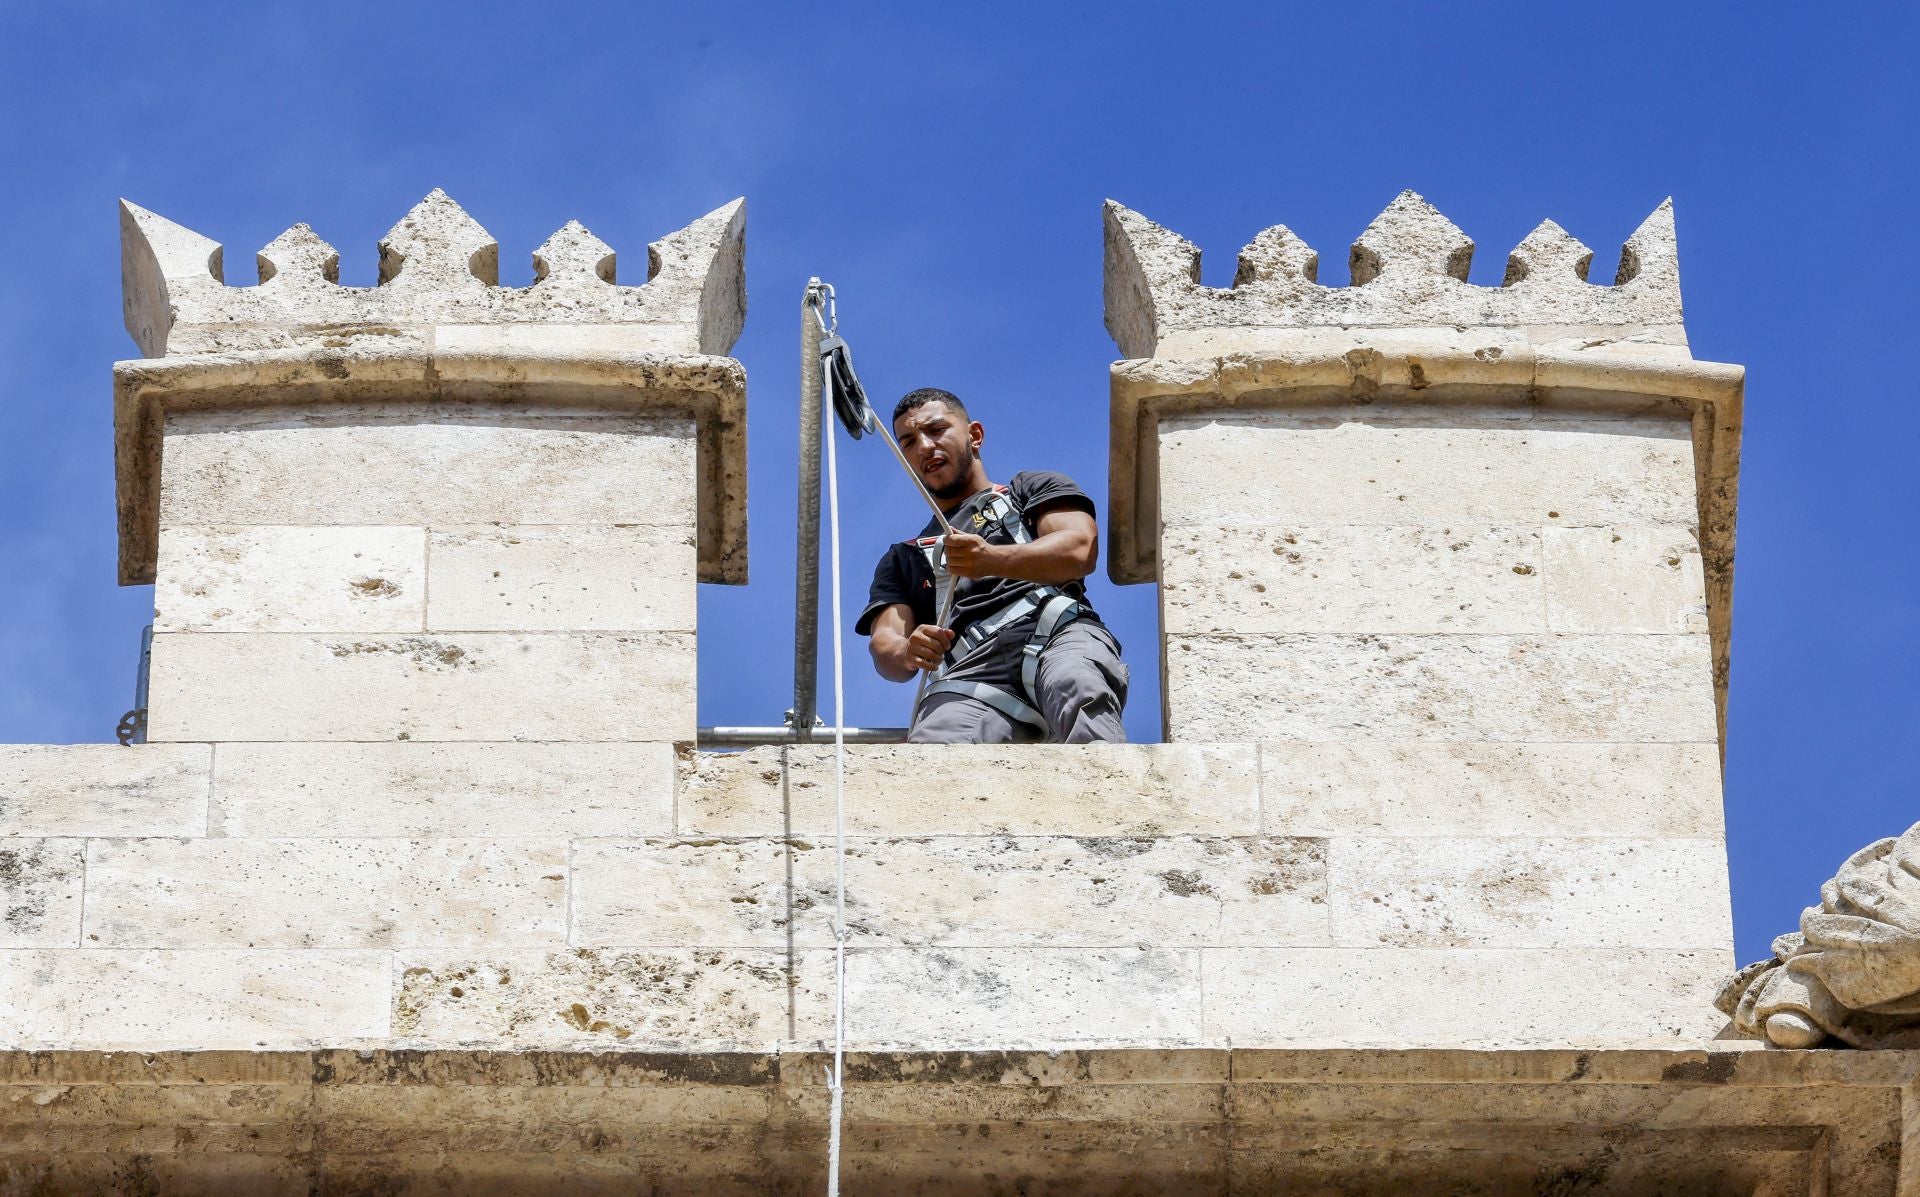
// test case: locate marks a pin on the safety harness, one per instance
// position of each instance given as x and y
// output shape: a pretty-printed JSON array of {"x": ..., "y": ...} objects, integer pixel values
[{"x": 1051, "y": 608}]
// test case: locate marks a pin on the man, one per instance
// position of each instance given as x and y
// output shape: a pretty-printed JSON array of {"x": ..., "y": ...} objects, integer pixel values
[{"x": 1022, "y": 655}]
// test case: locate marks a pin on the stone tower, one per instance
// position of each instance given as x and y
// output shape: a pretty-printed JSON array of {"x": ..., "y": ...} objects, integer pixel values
[{"x": 423, "y": 884}]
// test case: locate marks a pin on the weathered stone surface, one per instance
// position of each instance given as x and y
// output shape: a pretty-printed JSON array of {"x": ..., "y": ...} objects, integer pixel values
[
  {"x": 271, "y": 579},
  {"x": 675, "y": 892},
  {"x": 1409, "y": 269},
  {"x": 954, "y": 891},
  {"x": 1069, "y": 1122},
  {"x": 1460, "y": 997},
  {"x": 40, "y": 888},
  {"x": 1395, "y": 687},
  {"x": 1625, "y": 579},
  {"x": 437, "y": 266},
  {"x": 1010, "y": 997},
  {"x": 153, "y": 1000},
  {"x": 307, "y": 893},
  {"x": 484, "y": 1118},
  {"x": 104, "y": 789},
  {"x": 1446, "y": 892},
  {"x": 1342, "y": 579},
  {"x": 1410, "y": 466},
  {"x": 423, "y": 789},
  {"x": 683, "y": 998},
  {"x": 1029, "y": 789},
  {"x": 259, "y": 1116},
  {"x": 452, "y": 686},
  {"x": 1427, "y": 787},
  {"x": 426, "y": 464},
  {"x": 1852, "y": 971},
  {"x": 563, "y": 578}
]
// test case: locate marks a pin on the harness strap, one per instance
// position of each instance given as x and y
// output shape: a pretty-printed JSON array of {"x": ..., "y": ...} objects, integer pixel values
[
  {"x": 1000, "y": 700},
  {"x": 979, "y": 633},
  {"x": 1052, "y": 610},
  {"x": 1055, "y": 613}
]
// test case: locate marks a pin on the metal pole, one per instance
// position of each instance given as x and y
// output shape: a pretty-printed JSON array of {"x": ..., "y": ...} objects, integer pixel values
[
  {"x": 806, "y": 600},
  {"x": 753, "y": 737}
]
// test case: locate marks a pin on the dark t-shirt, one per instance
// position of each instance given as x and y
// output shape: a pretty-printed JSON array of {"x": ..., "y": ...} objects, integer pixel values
[{"x": 905, "y": 575}]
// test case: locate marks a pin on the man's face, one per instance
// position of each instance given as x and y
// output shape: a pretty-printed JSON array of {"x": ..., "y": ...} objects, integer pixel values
[{"x": 940, "y": 446}]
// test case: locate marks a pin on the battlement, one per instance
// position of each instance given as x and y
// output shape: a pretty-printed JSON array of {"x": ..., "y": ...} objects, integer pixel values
[
  {"x": 1409, "y": 270},
  {"x": 438, "y": 266}
]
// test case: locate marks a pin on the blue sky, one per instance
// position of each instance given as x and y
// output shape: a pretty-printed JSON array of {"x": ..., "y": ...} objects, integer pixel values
[{"x": 944, "y": 167}]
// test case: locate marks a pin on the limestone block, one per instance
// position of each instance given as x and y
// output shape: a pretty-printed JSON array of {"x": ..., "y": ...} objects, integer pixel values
[
  {"x": 1511, "y": 892},
  {"x": 1029, "y": 789},
  {"x": 672, "y": 892},
  {"x": 265, "y": 579},
  {"x": 563, "y": 578},
  {"x": 1366, "y": 579},
  {"x": 595, "y": 1000},
  {"x": 209, "y": 1000},
  {"x": 1162, "y": 892},
  {"x": 1440, "y": 788},
  {"x": 104, "y": 789},
  {"x": 958, "y": 891},
  {"x": 1460, "y": 997},
  {"x": 1391, "y": 687},
  {"x": 1409, "y": 466},
  {"x": 40, "y": 892},
  {"x": 411, "y": 463},
  {"x": 1625, "y": 579},
  {"x": 1051, "y": 998},
  {"x": 457, "y": 686},
  {"x": 356, "y": 893},
  {"x": 423, "y": 790}
]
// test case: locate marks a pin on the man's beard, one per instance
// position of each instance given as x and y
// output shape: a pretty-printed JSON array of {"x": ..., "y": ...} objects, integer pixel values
[{"x": 957, "y": 489}]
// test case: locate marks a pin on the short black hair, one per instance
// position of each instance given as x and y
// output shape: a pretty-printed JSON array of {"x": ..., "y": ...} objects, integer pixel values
[{"x": 926, "y": 395}]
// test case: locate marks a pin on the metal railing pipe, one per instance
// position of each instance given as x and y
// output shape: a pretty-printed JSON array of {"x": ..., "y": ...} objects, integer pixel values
[{"x": 754, "y": 737}]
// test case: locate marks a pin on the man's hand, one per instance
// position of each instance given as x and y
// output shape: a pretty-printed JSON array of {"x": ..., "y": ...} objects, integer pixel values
[
  {"x": 927, "y": 645},
  {"x": 970, "y": 556},
  {"x": 901, "y": 647}
]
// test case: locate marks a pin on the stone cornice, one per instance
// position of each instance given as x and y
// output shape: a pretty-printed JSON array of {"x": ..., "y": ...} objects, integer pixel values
[{"x": 559, "y": 367}]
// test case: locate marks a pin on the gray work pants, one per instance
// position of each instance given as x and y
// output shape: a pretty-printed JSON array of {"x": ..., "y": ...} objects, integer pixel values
[{"x": 1081, "y": 689}]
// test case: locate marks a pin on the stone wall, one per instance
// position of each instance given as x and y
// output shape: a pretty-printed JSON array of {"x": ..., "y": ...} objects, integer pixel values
[
  {"x": 622, "y": 896},
  {"x": 1439, "y": 660},
  {"x": 404, "y": 570}
]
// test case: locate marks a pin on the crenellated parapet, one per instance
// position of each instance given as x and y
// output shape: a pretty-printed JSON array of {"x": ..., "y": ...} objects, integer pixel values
[
  {"x": 439, "y": 332},
  {"x": 1409, "y": 270},
  {"x": 438, "y": 266}
]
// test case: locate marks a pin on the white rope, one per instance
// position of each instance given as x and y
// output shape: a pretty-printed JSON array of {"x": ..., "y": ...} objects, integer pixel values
[{"x": 835, "y": 1080}]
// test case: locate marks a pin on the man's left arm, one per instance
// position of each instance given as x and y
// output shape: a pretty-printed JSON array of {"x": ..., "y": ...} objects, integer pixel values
[{"x": 1065, "y": 548}]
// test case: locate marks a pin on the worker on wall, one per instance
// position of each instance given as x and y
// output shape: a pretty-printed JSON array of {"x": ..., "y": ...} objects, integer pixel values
[{"x": 1020, "y": 655}]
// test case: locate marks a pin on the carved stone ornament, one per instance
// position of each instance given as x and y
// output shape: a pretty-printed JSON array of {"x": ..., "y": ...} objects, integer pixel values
[{"x": 1852, "y": 971}]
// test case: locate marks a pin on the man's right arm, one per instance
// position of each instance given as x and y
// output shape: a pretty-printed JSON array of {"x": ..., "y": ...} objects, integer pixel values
[{"x": 900, "y": 647}]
